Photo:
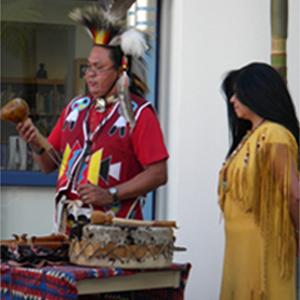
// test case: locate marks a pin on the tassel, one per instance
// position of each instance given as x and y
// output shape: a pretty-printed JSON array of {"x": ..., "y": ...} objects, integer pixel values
[{"x": 124, "y": 98}]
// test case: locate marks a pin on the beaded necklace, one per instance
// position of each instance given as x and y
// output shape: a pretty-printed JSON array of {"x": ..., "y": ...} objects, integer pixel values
[{"x": 225, "y": 164}]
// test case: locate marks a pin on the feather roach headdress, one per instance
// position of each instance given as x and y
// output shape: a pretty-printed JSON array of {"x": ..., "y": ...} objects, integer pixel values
[{"x": 106, "y": 24}]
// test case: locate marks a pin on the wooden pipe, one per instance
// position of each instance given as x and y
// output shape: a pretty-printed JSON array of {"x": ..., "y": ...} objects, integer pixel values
[
  {"x": 48, "y": 241},
  {"x": 16, "y": 111}
]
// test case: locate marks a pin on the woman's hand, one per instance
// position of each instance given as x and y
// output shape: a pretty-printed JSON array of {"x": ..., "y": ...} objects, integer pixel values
[{"x": 95, "y": 195}]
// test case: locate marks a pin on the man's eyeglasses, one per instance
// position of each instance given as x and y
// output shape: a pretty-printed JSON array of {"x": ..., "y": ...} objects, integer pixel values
[{"x": 96, "y": 70}]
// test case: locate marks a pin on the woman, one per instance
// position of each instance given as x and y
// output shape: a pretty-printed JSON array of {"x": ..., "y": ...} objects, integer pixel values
[{"x": 259, "y": 187}]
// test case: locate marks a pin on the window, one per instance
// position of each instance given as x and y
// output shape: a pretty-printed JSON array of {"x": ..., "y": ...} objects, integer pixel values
[{"x": 42, "y": 53}]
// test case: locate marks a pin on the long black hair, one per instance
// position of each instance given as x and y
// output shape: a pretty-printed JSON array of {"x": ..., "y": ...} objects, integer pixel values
[{"x": 261, "y": 89}]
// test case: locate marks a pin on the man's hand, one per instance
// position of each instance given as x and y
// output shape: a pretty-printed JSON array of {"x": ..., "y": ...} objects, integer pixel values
[
  {"x": 92, "y": 194},
  {"x": 152, "y": 177},
  {"x": 28, "y": 132}
]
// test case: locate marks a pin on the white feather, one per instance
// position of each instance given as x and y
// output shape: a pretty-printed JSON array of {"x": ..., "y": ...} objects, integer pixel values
[{"x": 133, "y": 43}]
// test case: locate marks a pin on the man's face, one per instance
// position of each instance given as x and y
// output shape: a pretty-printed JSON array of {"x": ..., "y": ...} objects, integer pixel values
[{"x": 100, "y": 74}]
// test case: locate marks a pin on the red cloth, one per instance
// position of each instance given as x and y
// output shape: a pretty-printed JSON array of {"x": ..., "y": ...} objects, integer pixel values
[{"x": 60, "y": 282}]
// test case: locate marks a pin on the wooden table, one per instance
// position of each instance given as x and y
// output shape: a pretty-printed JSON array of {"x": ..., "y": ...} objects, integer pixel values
[{"x": 69, "y": 281}]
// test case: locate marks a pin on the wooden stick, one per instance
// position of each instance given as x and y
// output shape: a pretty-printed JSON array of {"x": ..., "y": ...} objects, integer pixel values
[
  {"x": 49, "y": 244},
  {"x": 99, "y": 217},
  {"x": 141, "y": 223},
  {"x": 36, "y": 240}
]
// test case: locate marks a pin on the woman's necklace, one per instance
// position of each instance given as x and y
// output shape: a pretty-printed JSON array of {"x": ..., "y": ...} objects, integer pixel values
[{"x": 234, "y": 153}]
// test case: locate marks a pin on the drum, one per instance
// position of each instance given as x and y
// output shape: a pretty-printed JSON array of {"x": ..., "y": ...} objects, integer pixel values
[{"x": 123, "y": 246}]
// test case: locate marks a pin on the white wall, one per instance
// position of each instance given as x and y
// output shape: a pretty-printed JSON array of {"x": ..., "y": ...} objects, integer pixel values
[
  {"x": 293, "y": 49},
  {"x": 26, "y": 210},
  {"x": 201, "y": 41}
]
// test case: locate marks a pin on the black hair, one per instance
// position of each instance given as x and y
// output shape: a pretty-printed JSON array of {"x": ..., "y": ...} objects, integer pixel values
[
  {"x": 116, "y": 56},
  {"x": 262, "y": 89}
]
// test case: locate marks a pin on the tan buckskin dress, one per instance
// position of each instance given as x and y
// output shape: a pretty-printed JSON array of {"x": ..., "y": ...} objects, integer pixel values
[{"x": 254, "y": 189}]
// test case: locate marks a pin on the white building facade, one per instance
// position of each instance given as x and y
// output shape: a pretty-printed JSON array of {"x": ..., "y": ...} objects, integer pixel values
[{"x": 200, "y": 42}]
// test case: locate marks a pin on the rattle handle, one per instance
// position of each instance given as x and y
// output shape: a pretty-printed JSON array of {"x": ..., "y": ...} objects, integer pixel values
[{"x": 43, "y": 142}]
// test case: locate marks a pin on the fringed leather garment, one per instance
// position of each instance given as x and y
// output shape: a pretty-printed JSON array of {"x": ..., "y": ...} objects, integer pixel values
[{"x": 254, "y": 190}]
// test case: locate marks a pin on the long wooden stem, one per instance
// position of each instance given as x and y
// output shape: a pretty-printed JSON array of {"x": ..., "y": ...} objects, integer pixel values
[{"x": 279, "y": 22}]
